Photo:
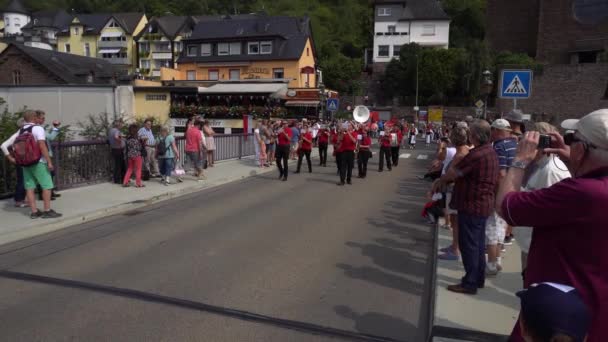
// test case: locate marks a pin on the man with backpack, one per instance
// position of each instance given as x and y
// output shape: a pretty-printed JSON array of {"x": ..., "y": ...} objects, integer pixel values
[{"x": 30, "y": 152}]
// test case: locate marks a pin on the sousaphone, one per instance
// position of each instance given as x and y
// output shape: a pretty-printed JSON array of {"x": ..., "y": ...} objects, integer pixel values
[{"x": 361, "y": 114}]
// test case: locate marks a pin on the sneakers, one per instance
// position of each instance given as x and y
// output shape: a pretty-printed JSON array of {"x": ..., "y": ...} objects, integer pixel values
[
  {"x": 51, "y": 214},
  {"x": 36, "y": 215},
  {"x": 449, "y": 255},
  {"x": 491, "y": 272}
]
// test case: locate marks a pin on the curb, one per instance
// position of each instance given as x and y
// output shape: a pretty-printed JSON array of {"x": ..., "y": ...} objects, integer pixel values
[{"x": 122, "y": 208}]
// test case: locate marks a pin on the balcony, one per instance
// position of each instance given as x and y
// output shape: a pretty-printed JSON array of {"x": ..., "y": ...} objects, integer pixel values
[
  {"x": 155, "y": 73},
  {"x": 162, "y": 55},
  {"x": 112, "y": 44},
  {"x": 116, "y": 60}
]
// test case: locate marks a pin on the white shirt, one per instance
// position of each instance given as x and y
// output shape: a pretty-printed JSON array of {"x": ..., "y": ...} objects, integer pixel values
[
  {"x": 550, "y": 170},
  {"x": 450, "y": 152}
]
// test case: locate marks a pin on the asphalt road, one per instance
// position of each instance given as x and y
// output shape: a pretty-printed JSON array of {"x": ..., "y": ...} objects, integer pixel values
[{"x": 255, "y": 260}]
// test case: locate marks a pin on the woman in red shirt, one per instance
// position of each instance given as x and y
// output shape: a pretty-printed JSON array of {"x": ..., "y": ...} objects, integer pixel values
[
  {"x": 283, "y": 149},
  {"x": 364, "y": 153},
  {"x": 305, "y": 148}
]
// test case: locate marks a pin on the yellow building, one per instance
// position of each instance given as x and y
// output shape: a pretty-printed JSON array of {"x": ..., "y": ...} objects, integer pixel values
[
  {"x": 250, "y": 47},
  {"x": 151, "y": 100},
  {"x": 106, "y": 36}
]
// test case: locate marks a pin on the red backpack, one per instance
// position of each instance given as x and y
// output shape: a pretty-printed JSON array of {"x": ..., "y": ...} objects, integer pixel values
[{"x": 26, "y": 148}]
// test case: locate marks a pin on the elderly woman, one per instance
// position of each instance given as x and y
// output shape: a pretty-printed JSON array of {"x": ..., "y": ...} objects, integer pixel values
[
  {"x": 167, "y": 153},
  {"x": 135, "y": 148},
  {"x": 210, "y": 142}
]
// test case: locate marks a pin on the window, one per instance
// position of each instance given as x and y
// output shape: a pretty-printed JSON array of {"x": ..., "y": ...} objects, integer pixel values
[
  {"x": 235, "y": 74},
  {"x": 214, "y": 75},
  {"x": 588, "y": 57},
  {"x": 235, "y": 48},
  {"x": 307, "y": 51},
  {"x": 8, "y": 22},
  {"x": 205, "y": 49},
  {"x": 191, "y": 75},
  {"x": 223, "y": 49},
  {"x": 67, "y": 48},
  {"x": 253, "y": 48},
  {"x": 384, "y": 11},
  {"x": 76, "y": 31},
  {"x": 144, "y": 47},
  {"x": 145, "y": 64},
  {"x": 87, "y": 50},
  {"x": 113, "y": 24},
  {"x": 278, "y": 73},
  {"x": 392, "y": 29},
  {"x": 16, "y": 77},
  {"x": 154, "y": 97},
  {"x": 17, "y": 22},
  {"x": 266, "y": 48},
  {"x": 396, "y": 50},
  {"x": 428, "y": 30},
  {"x": 191, "y": 50},
  {"x": 383, "y": 50},
  {"x": 178, "y": 46}
]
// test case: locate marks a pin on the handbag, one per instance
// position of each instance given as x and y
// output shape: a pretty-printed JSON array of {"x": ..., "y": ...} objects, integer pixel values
[{"x": 178, "y": 171}]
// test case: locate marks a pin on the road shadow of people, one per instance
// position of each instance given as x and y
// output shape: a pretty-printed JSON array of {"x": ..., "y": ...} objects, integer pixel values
[
  {"x": 377, "y": 324},
  {"x": 379, "y": 277}
]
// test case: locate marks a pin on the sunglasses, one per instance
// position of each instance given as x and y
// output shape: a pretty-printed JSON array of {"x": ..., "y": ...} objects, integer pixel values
[{"x": 570, "y": 138}]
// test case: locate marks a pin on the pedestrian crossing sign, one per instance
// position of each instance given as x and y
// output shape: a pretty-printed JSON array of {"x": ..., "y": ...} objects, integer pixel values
[
  {"x": 333, "y": 105},
  {"x": 515, "y": 84}
]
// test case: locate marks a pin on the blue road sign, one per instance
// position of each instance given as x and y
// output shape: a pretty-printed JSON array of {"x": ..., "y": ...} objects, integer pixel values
[
  {"x": 515, "y": 84},
  {"x": 333, "y": 105}
]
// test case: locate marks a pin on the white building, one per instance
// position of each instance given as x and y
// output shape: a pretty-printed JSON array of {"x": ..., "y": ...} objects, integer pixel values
[
  {"x": 15, "y": 16},
  {"x": 397, "y": 23}
]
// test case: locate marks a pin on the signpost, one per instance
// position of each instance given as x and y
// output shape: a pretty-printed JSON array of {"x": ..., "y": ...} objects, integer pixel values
[
  {"x": 333, "y": 105},
  {"x": 515, "y": 84}
]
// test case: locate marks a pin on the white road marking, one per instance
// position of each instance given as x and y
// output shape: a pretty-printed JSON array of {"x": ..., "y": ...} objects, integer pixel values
[
  {"x": 423, "y": 156},
  {"x": 405, "y": 156}
]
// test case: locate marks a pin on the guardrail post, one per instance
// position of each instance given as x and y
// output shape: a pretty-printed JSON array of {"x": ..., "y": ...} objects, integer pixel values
[
  {"x": 240, "y": 146},
  {"x": 57, "y": 164}
]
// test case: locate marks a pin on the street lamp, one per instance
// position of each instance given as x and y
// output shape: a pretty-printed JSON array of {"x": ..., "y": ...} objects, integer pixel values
[
  {"x": 322, "y": 98},
  {"x": 488, "y": 85}
]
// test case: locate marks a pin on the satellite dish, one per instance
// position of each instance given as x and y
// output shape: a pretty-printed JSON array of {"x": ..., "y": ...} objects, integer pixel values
[{"x": 361, "y": 114}]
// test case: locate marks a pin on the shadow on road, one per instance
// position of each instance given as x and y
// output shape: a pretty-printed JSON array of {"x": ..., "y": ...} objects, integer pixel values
[{"x": 372, "y": 322}]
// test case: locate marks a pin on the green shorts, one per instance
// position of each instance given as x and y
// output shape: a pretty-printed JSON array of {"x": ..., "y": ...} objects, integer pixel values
[{"x": 37, "y": 174}]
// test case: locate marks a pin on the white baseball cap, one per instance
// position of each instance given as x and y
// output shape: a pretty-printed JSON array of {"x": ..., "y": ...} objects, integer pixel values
[
  {"x": 593, "y": 127},
  {"x": 501, "y": 124}
]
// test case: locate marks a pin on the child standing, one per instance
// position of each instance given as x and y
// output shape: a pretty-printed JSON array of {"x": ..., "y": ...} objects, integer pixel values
[{"x": 263, "y": 155}]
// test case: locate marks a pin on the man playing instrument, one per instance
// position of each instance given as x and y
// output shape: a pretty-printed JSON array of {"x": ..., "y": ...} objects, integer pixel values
[{"x": 347, "y": 146}]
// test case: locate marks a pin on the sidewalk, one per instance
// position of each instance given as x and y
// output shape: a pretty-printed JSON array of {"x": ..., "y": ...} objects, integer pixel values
[
  {"x": 92, "y": 202},
  {"x": 493, "y": 311}
]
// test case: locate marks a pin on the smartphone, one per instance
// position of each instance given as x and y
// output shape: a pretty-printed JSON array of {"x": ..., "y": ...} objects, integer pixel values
[{"x": 544, "y": 141}]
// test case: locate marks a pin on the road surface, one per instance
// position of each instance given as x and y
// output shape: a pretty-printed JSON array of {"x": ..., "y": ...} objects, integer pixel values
[{"x": 255, "y": 260}]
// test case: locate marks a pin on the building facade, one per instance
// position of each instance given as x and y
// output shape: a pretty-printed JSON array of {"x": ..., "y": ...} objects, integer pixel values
[
  {"x": 106, "y": 36},
  {"x": 397, "y": 23},
  {"x": 14, "y": 17}
]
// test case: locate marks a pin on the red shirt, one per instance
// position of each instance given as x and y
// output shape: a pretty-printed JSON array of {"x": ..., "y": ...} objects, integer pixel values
[
  {"x": 306, "y": 146},
  {"x": 399, "y": 136},
  {"x": 569, "y": 240},
  {"x": 365, "y": 141},
  {"x": 193, "y": 139},
  {"x": 347, "y": 142},
  {"x": 283, "y": 140},
  {"x": 323, "y": 138},
  {"x": 385, "y": 141}
]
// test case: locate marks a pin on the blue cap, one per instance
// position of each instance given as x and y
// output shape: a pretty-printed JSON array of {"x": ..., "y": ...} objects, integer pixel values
[{"x": 549, "y": 309}]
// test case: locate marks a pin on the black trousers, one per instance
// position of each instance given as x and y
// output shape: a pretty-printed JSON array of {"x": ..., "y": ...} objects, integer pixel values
[
  {"x": 395, "y": 155},
  {"x": 385, "y": 152},
  {"x": 339, "y": 160},
  {"x": 118, "y": 154},
  {"x": 362, "y": 162},
  {"x": 323, "y": 154},
  {"x": 282, "y": 156},
  {"x": 301, "y": 155},
  {"x": 347, "y": 164}
]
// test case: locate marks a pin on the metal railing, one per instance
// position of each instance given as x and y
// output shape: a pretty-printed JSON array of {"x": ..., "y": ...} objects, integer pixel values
[{"x": 80, "y": 163}]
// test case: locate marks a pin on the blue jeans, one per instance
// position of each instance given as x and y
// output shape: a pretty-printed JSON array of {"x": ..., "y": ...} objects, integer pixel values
[
  {"x": 166, "y": 166},
  {"x": 472, "y": 240}
]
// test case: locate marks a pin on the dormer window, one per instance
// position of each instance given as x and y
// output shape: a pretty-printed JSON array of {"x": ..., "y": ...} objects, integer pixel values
[
  {"x": 76, "y": 31},
  {"x": 191, "y": 51},
  {"x": 113, "y": 24},
  {"x": 253, "y": 48},
  {"x": 384, "y": 11},
  {"x": 266, "y": 48}
]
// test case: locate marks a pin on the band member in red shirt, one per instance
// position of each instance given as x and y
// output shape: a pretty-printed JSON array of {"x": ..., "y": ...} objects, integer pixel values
[
  {"x": 385, "y": 150},
  {"x": 283, "y": 149},
  {"x": 396, "y": 144},
  {"x": 323, "y": 140},
  {"x": 364, "y": 153},
  {"x": 337, "y": 142},
  {"x": 305, "y": 148},
  {"x": 349, "y": 143}
]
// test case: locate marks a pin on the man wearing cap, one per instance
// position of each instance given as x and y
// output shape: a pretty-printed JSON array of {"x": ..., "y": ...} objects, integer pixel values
[
  {"x": 516, "y": 121},
  {"x": 569, "y": 218},
  {"x": 505, "y": 146},
  {"x": 553, "y": 312}
]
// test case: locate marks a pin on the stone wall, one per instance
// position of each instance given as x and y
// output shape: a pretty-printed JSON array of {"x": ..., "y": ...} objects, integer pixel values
[{"x": 564, "y": 91}]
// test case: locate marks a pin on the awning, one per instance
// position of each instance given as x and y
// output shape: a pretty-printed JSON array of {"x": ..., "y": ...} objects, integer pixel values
[
  {"x": 302, "y": 103},
  {"x": 276, "y": 89},
  {"x": 112, "y": 34},
  {"x": 109, "y": 50}
]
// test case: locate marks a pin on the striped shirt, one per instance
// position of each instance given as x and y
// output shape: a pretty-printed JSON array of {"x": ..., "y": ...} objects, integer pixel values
[
  {"x": 147, "y": 133},
  {"x": 506, "y": 150},
  {"x": 475, "y": 188}
]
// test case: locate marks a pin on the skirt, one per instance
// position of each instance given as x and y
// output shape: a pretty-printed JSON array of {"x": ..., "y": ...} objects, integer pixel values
[{"x": 210, "y": 144}]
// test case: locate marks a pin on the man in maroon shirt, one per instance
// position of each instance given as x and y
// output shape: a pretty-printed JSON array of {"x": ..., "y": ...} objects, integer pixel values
[
  {"x": 385, "y": 150},
  {"x": 323, "y": 141},
  {"x": 476, "y": 177},
  {"x": 283, "y": 150},
  {"x": 364, "y": 153},
  {"x": 347, "y": 147},
  {"x": 570, "y": 236},
  {"x": 305, "y": 148}
]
